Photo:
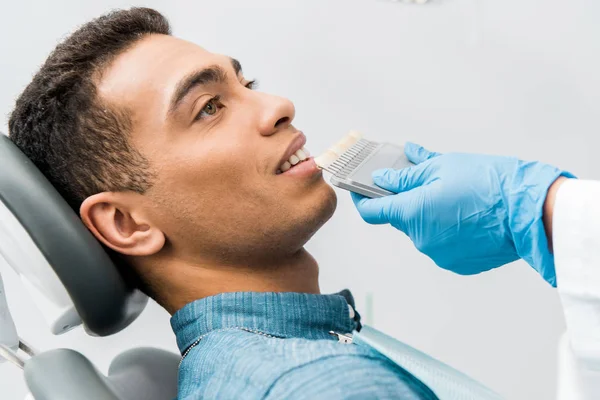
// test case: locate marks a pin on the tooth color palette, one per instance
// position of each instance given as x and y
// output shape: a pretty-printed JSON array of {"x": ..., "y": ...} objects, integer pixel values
[{"x": 353, "y": 159}]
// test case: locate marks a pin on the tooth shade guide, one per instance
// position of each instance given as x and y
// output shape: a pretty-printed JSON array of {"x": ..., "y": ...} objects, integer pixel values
[
  {"x": 338, "y": 150},
  {"x": 352, "y": 169}
]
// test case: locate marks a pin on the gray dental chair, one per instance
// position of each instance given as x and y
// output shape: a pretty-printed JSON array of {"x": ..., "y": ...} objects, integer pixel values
[{"x": 74, "y": 282}]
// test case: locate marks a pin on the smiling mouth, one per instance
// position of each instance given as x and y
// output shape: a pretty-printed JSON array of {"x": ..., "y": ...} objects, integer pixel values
[{"x": 295, "y": 159}]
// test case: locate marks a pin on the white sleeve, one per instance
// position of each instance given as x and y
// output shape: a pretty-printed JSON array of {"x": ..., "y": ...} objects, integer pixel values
[{"x": 576, "y": 242}]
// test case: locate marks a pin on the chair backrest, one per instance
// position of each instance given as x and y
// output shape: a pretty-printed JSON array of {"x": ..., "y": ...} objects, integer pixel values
[
  {"x": 137, "y": 374},
  {"x": 64, "y": 267}
]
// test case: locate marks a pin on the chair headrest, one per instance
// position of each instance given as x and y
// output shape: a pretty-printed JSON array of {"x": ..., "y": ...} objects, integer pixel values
[{"x": 101, "y": 296}]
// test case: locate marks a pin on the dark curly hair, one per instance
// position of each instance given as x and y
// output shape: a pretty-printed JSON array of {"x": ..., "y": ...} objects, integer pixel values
[{"x": 77, "y": 140}]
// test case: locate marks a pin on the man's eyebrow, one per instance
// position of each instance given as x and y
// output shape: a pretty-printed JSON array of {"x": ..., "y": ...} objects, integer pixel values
[
  {"x": 237, "y": 67},
  {"x": 214, "y": 74}
]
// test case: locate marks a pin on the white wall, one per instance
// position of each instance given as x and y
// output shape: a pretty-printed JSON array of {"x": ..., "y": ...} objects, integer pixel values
[{"x": 512, "y": 77}]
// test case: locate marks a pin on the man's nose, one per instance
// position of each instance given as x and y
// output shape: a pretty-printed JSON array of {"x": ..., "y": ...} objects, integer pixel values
[{"x": 277, "y": 114}]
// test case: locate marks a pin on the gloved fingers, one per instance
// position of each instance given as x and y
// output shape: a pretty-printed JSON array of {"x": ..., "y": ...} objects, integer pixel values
[
  {"x": 402, "y": 211},
  {"x": 372, "y": 211},
  {"x": 401, "y": 180},
  {"x": 417, "y": 154}
]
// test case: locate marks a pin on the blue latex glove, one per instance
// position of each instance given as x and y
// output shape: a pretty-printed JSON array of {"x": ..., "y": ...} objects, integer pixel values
[{"x": 469, "y": 213}]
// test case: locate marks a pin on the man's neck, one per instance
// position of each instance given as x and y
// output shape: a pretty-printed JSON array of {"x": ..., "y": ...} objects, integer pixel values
[{"x": 180, "y": 283}]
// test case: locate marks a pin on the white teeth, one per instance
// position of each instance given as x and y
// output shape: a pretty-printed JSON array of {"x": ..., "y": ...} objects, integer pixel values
[{"x": 295, "y": 159}]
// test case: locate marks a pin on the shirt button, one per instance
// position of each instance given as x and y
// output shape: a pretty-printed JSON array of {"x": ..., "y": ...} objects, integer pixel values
[{"x": 351, "y": 311}]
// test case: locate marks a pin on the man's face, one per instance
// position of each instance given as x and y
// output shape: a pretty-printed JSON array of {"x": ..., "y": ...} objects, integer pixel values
[{"x": 217, "y": 148}]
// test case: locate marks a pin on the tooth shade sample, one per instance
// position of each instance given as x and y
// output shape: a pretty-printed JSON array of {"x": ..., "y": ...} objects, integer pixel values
[
  {"x": 325, "y": 160},
  {"x": 338, "y": 149}
]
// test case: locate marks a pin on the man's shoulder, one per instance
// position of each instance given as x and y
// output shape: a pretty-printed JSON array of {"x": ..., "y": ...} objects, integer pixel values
[
  {"x": 235, "y": 361},
  {"x": 238, "y": 348}
]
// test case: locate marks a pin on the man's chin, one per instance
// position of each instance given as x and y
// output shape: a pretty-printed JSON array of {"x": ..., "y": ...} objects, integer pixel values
[
  {"x": 324, "y": 208},
  {"x": 332, "y": 202}
]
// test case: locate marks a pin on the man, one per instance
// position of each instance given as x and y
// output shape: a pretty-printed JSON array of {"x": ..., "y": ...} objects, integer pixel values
[{"x": 194, "y": 182}]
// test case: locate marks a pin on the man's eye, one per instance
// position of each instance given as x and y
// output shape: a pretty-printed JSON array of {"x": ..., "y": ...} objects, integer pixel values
[{"x": 210, "y": 109}]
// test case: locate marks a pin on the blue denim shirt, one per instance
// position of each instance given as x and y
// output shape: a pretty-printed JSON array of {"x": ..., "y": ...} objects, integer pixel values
[{"x": 278, "y": 346}]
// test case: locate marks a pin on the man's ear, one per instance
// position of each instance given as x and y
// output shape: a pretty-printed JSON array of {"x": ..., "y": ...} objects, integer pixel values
[{"x": 115, "y": 220}]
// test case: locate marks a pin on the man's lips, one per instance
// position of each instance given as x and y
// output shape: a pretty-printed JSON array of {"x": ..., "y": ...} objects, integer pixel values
[
  {"x": 303, "y": 169},
  {"x": 296, "y": 144}
]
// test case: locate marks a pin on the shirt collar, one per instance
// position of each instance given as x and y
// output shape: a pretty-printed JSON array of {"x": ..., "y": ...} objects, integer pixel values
[{"x": 286, "y": 315}]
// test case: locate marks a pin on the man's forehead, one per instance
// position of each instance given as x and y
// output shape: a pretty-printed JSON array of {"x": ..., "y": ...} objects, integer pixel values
[{"x": 153, "y": 66}]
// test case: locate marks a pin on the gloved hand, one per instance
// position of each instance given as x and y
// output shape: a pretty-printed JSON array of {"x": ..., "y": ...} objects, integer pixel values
[{"x": 469, "y": 213}]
